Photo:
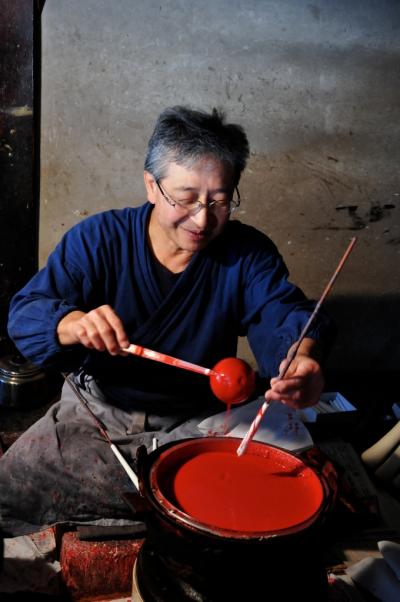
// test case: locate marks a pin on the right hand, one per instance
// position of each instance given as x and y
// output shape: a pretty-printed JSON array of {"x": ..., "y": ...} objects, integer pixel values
[{"x": 99, "y": 329}]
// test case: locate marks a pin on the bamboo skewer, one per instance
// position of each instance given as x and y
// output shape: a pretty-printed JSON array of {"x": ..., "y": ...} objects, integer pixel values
[
  {"x": 131, "y": 474},
  {"x": 256, "y": 422},
  {"x": 167, "y": 359}
]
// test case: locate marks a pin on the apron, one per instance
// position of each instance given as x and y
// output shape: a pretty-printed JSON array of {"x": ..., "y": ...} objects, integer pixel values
[{"x": 62, "y": 470}]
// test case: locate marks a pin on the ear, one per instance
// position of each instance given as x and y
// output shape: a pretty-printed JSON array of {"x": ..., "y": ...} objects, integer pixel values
[{"x": 151, "y": 187}]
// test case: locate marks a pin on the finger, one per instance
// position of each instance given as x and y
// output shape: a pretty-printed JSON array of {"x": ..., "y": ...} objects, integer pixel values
[
  {"x": 82, "y": 335},
  {"x": 271, "y": 396},
  {"x": 287, "y": 386},
  {"x": 89, "y": 335},
  {"x": 296, "y": 393},
  {"x": 100, "y": 332},
  {"x": 118, "y": 327},
  {"x": 300, "y": 366},
  {"x": 289, "y": 401},
  {"x": 295, "y": 401}
]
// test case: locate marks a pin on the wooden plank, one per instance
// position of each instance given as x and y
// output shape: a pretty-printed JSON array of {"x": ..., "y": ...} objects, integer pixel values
[{"x": 19, "y": 146}]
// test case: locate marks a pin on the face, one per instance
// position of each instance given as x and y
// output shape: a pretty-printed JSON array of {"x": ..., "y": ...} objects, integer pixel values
[{"x": 171, "y": 229}]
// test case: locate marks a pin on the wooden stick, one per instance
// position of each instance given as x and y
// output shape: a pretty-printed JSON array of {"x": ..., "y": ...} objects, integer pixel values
[
  {"x": 260, "y": 414},
  {"x": 131, "y": 474},
  {"x": 167, "y": 359},
  {"x": 325, "y": 293}
]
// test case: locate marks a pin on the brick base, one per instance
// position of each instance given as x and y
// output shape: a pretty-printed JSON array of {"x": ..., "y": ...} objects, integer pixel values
[{"x": 97, "y": 570}]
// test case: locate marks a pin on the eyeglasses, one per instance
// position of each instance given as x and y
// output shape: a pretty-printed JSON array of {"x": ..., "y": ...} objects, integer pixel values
[{"x": 193, "y": 206}]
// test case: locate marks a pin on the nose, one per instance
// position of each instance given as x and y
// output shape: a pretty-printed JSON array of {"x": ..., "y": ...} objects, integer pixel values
[{"x": 201, "y": 217}]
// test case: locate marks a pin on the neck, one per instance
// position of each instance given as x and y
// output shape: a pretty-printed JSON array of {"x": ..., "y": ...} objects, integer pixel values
[
  {"x": 170, "y": 256},
  {"x": 174, "y": 262}
]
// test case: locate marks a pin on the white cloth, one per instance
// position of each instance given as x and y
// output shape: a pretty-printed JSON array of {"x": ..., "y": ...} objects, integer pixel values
[
  {"x": 30, "y": 564},
  {"x": 380, "y": 576},
  {"x": 280, "y": 426}
]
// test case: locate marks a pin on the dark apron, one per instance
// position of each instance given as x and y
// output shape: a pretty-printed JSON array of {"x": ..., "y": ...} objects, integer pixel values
[{"x": 61, "y": 470}]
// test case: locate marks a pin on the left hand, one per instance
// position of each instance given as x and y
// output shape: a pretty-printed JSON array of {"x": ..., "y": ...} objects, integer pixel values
[{"x": 302, "y": 384}]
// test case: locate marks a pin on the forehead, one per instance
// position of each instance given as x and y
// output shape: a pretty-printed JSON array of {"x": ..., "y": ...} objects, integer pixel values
[{"x": 199, "y": 171}]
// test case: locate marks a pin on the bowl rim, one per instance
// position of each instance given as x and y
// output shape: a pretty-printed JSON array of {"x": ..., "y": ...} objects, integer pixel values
[{"x": 168, "y": 509}]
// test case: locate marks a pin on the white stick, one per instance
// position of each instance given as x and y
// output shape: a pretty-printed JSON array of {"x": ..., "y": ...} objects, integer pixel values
[
  {"x": 256, "y": 423},
  {"x": 150, "y": 354},
  {"x": 253, "y": 429},
  {"x": 125, "y": 465}
]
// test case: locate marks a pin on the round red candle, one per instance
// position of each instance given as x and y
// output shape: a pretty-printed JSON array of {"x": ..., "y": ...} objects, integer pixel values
[{"x": 232, "y": 380}]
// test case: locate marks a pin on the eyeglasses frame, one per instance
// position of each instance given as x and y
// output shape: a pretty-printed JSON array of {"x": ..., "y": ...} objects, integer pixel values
[{"x": 200, "y": 205}]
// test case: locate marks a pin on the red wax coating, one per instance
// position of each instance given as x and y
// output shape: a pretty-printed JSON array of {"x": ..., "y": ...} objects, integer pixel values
[
  {"x": 232, "y": 380},
  {"x": 247, "y": 494}
]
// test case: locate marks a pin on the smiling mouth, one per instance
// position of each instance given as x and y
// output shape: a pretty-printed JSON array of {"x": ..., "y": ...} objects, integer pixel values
[{"x": 197, "y": 235}]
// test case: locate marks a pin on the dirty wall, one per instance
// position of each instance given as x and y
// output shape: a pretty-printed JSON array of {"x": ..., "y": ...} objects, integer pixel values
[{"x": 316, "y": 86}]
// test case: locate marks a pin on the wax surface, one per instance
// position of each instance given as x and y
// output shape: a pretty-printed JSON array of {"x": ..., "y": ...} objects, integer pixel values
[
  {"x": 247, "y": 494},
  {"x": 232, "y": 380}
]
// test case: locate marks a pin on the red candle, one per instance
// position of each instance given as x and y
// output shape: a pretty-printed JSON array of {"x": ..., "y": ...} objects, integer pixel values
[{"x": 232, "y": 380}]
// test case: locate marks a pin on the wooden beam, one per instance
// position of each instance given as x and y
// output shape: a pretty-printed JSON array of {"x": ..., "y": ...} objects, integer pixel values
[{"x": 19, "y": 146}]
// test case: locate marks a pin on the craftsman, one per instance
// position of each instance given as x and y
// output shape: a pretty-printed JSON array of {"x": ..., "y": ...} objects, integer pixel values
[{"x": 175, "y": 275}]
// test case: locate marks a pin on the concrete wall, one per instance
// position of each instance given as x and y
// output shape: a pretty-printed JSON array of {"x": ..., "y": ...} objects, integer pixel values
[{"x": 315, "y": 84}]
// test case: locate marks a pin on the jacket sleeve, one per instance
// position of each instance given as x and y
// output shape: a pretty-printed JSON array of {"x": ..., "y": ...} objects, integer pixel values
[
  {"x": 61, "y": 287},
  {"x": 276, "y": 311}
]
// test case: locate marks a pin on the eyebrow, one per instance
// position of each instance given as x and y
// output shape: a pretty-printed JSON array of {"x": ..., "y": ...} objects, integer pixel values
[{"x": 191, "y": 189}]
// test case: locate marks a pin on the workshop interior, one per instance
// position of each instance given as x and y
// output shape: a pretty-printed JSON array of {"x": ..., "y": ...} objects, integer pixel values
[{"x": 317, "y": 87}]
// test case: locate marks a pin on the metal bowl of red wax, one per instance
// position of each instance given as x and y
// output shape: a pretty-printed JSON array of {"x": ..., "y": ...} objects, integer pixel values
[{"x": 203, "y": 485}]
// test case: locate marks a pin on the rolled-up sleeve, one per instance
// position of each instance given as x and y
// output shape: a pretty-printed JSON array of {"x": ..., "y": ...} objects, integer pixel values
[{"x": 36, "y": 309}]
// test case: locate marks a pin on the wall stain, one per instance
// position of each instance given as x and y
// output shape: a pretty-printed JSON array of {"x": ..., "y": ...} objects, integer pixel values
[
  {"x": 376, "y": 213},
  {"x": 393, "y": 241},
  {"x": 315, "y": 11}
]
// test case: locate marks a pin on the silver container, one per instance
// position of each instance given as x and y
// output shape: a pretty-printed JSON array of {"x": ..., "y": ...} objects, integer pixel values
[{"x": 22, "y": 385}]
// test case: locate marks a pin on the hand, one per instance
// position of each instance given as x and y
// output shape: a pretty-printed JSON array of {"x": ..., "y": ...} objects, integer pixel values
[
  {"x": 99, "y": 329},
  {"x": 302, "y": 384}
]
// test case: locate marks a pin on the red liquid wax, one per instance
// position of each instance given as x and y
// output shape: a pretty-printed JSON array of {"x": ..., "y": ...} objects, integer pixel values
[
  {"x": 227, "y": 417},
  {"x": 248, "y": 494}
]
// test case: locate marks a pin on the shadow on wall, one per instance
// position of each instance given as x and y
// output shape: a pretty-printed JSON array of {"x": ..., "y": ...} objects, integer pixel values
[
  {"x": 364, "y": 364},
  {"x": 365, "y": 361},
  {"x": 368, "y": 336}
]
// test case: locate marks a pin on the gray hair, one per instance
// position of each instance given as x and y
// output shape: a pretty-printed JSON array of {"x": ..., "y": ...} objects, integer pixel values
[{"x": 184, "y": 136}]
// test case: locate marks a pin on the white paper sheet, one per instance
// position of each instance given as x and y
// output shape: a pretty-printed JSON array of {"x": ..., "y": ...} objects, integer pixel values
[
  {"x": 329, "y": 403},
  {"x": 280, "y": 425}
]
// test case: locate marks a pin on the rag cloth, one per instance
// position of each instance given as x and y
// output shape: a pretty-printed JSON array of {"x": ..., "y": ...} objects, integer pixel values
[{"x": 62, "y": 470}]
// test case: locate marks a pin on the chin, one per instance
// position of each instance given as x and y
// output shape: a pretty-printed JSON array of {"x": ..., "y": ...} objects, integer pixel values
[{"x": 200, "y": 243}]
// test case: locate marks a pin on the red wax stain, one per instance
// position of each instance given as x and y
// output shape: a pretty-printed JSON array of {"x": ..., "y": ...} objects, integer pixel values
[
  {"x": 247, "y": 494},
  {"x": 97, "y": 570},
  {"x": 232, "y": 380}
]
